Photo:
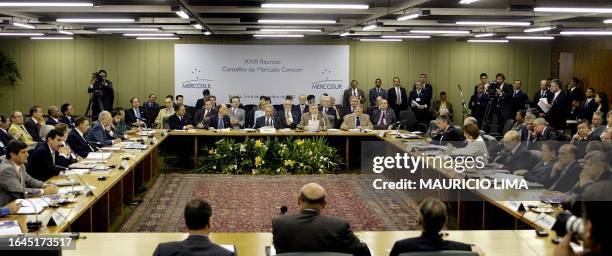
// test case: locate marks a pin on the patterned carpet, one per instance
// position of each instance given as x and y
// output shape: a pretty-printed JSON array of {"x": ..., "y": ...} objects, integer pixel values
[{"x": 249, "y": 203}]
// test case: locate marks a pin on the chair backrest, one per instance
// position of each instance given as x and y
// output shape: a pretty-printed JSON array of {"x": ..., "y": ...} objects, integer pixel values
[
  {"x": 278, "y": 107},
  {"x": 313, "y": 254},
  {"x": 165, "y": 122},
  {"x": 508, "y": 125},
  {"x": 440, "y": 253},
  {"x": 249, "y": 118},
  {"x": 408, "y": 117},
  {"x": 488, "y": 138},
  {"x": 247, "y": 108}
]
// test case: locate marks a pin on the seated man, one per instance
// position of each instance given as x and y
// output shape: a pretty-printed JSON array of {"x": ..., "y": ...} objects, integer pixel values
[
  {"x": 595, "y": 168},
  {"x": 582, "y": 137},
  {"x": 446, "y": 132},
  {"x": 221, "y": 121},
  {"x": 67, "y": 113},
  {"x": 350, "y": 109},
  {"x": 35, "y": 122},
  {"x": 289, "y": 117},
  {"x": 597, "y": 125},
  {"x": 527, "y": 131},
  {"x": 45, "y": 161},
  {"x": 356, "y": 120},
  {"x": 76, "y": 138},
  {"x": 542, "y": 131},
  {"x": 432, "y": 219},
  {"x": 309, "y": 231},
  {"x": 197, "y": 219},
  {"x": 180, "y": 120},
  {"x": 202, "y": 116},
  {"x": 15, "y": 182},
  {"x": 236, "y": 114},
  {"x": 566, "y": 172},
  {"x": 326, "y": 108},
  {"x": 514, "y": 155},
  {"x": 135, "y": 117},
  {"x": 540, "y": 173},
  {"x": 120, "y": 127},
  {"x": 268, "y": 120},
  {"x": 102, "y": 131},
  {"x": 54, "y": 115},
  {"x": 314, "y": 115},
  {"x": 383, "y": 116},
  {"x": 18, "y": 131},
  {"x": 442, "y": 104}
]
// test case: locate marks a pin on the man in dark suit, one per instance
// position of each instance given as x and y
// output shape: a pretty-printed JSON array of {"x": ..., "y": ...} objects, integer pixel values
[
  {"x": 478, "y": 104},
  {"x": 559, "y": 106},
  {"x": 221, "y": 120},
  {"x": 44, "y": 162},
  {"x": 432, "y": 219},
  {"x": 574, "y": 90},
  {"x": 398, "y": 99},
  {"x": 588, "y": 107},
  {"x": 136, "y": 116},
  {"x": 383, "y": 116},
  {"x": 582, "y": 137},
  {"x": 566, "y": 172},
  {"x": 520, "y": 100},
  {"x": 302, "y": 107},
  {"x": 54, "y": 116},
  {"x": 542, "y": 131},
  {"x": 540, "y": 173},
  {"x": 268, "y": 120},
  {"x": 102, "y": 131},
  {"x": 542, "y": 93},
  {"x": 34, "y": 123},
  {"x": 76, "y": 138},
  {"x": 427, "y": 88},
  {"x": 67, "y": 113},
  {"x": 203, "y": 114},
  {"x": 197, "y": 219},
  {"x": 102, "y": 91},
  {"x": 446, "y": 132},
  {"x": 419, "y": 101},
  {"x": 353, "y": 91},
  {"x": 353, "y": 103},
  {"x": 514, "y": 155},
  {"x": 327, "y": 109},
  {"x": 505, "y": 93},
  {"x": 151, "y": 102},
  {"x": 180, "y": 120},
  {"x": 309, "y": 231},
  {"x": 15, "y": 182},
  {"x": 200, "y": 102},
  {"x": 289, "y": 117},
  {"x": 377, "y": 91},
  {"x": 5, "y": 137}
]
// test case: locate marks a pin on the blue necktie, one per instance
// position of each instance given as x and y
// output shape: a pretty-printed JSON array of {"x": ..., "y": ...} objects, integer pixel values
[
  {"x": 357, "y": 123},
  {"x": 137, "y": 113},
  {"x": 220, "y": 123}
]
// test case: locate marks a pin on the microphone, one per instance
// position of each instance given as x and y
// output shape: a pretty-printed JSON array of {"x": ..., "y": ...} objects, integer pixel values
[
  {"x": 34, "y": 225},
  {"x": 396, "y": 123},
  {"x": 88, "y": 189},
  {"x": 283, "y": 210}
]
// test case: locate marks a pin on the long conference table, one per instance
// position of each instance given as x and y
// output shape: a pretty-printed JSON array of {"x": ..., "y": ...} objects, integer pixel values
[{"x": 96, "y": 213}]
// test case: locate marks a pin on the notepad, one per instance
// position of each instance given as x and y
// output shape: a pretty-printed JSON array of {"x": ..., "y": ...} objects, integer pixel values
[
  {"x": 135, "y": 145},
  {"x": 99, "y": 155},
  {"x": 32, "y": 205},
  {"x": 10, "y": 228}
]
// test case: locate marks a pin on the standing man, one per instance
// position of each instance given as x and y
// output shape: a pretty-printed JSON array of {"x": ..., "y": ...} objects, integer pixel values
[
  {"x": 398, "y": 99},
  {"x": 103, "y": 94},
  {"x": 377, "y": 91},
  {"x": 588, "y": 106},
  {"x": 427, "y": 88},
  {"x": 559, "y": 106},
  {"x": 505, "y": 93},
  {"x": 478, "y": 104},
  {"x": 483, "y": 82},
  {"x": 419, "y": 101},
  {"x": 353, "y": 91},
  {"x": 519, "y": 99},
  {"x": 574, "y": 90},
  {"x": 200, "y": 102},
  {"x": 543, "y": 93},
  {"x": 151, "y": 103},
  {"x": 236, "y": 114}
]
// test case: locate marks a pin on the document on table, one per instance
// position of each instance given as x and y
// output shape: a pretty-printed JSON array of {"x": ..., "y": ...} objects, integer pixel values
[
  {"x": 28, "y": 206},
  {"x": 313, "y": 125},
  {"x": 10, "y": 228},
  {"x": 99, "y": 155},
  {"x": 543, "y": 104}
]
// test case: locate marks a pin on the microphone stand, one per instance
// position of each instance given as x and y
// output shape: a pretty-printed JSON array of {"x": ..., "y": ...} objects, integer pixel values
[
  {"x": 463, "y": 108},
  {"x": 36, "y": 224}
]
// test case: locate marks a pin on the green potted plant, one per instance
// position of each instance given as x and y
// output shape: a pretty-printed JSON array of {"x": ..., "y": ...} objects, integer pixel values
[{"x": 8, "y": 69}]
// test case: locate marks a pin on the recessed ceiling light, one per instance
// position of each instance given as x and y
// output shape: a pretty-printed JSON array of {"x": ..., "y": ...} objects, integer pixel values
[
  {"x": 467, "y": 1},
  {"x": 44, "y": 4},
  {"x": 484, "y": 35},
  {"x": 51, "y": 38},
  {"x": 315, "y": 6},
  {"x": 573, "y": 9},
  {"x": 128, "y": 29},
  {"x": 369, "y": 27},
  {"x": 20, "y": 34},
  {"x": 540, "y": 29},
  {"x": 297, "y": 21},
  {"x": 158, "y": 38},
  {"x": 493, "y": 23},
  {"x": 380, "y": 40},
  {"x": 408, "y": 17},
  {"x": 289, "y": 30},
  {"x": 421, "y": 31},
  {"x": 182, "y": 14},
  {"x": 406, "y": 37},
  {"x": 94, "y": 20},
  {"x": 593, "y": 32},
  {"x": 531, "y": 37},
  {"x": 65, "y": 32},
  {"x": 23, "y": 25},
  {"x": 487, "y": 41},
  {"x": 269, "y": 35},
  {"x": 608, "y": 21},
  {"x": 150, "y": 34}
]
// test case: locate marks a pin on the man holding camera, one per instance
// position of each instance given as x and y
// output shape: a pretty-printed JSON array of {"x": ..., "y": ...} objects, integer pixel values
[{"x": 102, "y": 93}]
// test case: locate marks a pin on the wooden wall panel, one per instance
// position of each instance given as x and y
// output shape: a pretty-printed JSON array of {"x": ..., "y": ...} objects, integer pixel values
[{"x": 58, "y": 72}]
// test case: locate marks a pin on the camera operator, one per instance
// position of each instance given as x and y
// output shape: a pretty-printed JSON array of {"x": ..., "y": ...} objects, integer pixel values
[
  {"x": 504, "y": 92},
  {"x": 593, "y": 227},
  {"x": 102, "y": 93}
]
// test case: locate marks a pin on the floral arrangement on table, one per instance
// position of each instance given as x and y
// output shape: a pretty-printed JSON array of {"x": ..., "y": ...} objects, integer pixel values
[{"x": 271, "y": 156}]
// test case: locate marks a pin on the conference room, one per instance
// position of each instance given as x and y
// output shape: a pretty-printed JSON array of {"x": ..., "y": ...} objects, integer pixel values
[{"x": 270, "y": 127}]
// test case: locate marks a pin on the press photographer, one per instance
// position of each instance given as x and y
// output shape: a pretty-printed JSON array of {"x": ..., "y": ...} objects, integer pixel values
[{"x": 101, "y": 94}]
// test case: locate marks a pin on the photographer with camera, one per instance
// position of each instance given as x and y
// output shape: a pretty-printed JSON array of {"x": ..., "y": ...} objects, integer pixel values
[
  {"x": 102, "y": 94},
  {"x": 590, "y": 223}
]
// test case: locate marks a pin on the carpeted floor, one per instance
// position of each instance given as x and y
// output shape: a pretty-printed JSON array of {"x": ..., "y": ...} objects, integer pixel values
[{"x": 249, "y": 203}]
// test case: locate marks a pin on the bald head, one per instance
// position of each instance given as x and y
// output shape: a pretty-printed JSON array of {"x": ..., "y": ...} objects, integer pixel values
[{"x": 312, "y": 196}]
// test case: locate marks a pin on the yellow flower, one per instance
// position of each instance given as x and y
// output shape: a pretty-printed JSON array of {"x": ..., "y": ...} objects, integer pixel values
[
  {"x": 258, "y": 161},
  {"x": 299, "y": 142},
  {"x": 210, "y": 152},
  {"x": 289, "y": 163},
  {"x": 258, "y": 144}
]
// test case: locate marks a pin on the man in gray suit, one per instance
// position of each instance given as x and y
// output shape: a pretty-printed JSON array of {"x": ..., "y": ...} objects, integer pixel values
[
  {"x": 383, "y": 116},
  {"x": 236, "y": 114},
  {"x": 315, "y": 115},
  {"x": 197, "y": 220},
  {"x": 353, "y": 91},
  {"x": 356, "y": 120},
  {"x": 377, "y": 91},
  {"x": 15, "y": 182}
]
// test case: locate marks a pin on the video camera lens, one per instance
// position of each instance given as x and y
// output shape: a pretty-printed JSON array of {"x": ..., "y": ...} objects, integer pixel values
[{"x": 567, "y": 222}]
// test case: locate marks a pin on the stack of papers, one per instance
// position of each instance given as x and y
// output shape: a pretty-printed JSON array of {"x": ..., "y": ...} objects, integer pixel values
[
  {"x": 146, "y": 133},
  {"x": 333, "y": 130},
  {"x": 32, "y": 205},
  {"x": 10, "y": 228},
  {"x": 267, "y": 129},
  {"x": 66, "y": 190},
  {"x": 79, "y": 171},
  {"x": 135, "y": 145},
  {"x": 98, "y": 155}
]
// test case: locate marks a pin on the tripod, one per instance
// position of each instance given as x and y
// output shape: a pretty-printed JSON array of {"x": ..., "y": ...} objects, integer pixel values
[
  {"x": 486, "y": 119},
  {"x": 94, "y": 96}
]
